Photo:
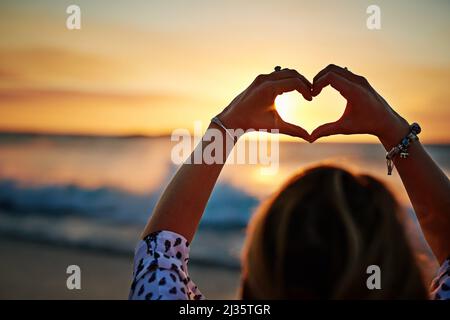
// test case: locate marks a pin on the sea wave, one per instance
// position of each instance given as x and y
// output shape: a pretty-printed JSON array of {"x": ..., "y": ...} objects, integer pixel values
[
  {"x": 59, "y": 201},
  {"x": 110, "y": 220}
]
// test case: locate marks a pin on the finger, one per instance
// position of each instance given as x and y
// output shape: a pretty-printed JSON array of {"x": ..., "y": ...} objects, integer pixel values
[
  {"x": 339, "y": 70},
  {"x": 291, "y": 73},
  {"x": 326, "y": 129},
  {"x": 337, "y": 81},
  {"x": 279, "y": 75},
  {"x": 288, "y": 73},
  {"x": 278, "y": 87},
  {"x": 293, "y": 130},
  {"x": 344, "y": 72}
]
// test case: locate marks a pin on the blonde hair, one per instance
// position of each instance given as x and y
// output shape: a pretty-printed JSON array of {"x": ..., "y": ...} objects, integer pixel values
[{"x": 318, "y": 234}]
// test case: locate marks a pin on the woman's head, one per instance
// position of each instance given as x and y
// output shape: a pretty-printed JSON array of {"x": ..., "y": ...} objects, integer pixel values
[{"x": 318, "y": 235}]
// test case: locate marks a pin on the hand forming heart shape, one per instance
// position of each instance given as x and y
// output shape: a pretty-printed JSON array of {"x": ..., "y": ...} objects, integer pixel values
[{"x": 366, "y": 112}]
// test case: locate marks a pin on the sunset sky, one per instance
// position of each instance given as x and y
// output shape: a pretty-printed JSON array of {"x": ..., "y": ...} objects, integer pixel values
[{"x": 148, "y": 67}]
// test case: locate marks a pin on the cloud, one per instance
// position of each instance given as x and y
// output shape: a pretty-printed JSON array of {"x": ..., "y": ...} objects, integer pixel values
[
  {"x": 52, "y": 65},
  {"x": 97, "y": 112},
  {"x": 35, "y": 96}
]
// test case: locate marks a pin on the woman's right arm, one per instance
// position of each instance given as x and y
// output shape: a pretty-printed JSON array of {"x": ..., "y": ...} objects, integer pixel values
[{"x": 368, "y": 113}]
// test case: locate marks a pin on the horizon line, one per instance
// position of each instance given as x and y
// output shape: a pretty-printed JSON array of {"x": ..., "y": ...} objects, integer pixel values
[{"x": 36, "y": 133}]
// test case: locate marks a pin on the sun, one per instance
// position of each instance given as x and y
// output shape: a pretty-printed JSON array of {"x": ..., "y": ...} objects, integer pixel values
[
  {"x": 293, "y": 108},
  {"x": 287, "y": 105}
]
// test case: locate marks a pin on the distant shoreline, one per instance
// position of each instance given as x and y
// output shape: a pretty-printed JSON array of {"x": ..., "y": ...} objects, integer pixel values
[
  {"x": 32, "y": 134},
  {"x": 37, "y": 134}
]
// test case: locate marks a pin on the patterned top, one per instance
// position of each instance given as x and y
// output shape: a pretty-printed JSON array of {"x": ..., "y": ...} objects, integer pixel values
[
  {"x": 161, "y": 273},
  {"x": 440, "y": 286},
  {"x": 160, "y": 269}
]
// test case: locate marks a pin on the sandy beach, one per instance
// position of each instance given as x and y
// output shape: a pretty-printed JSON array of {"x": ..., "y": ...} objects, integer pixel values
[{"x": 38, "y": 271}]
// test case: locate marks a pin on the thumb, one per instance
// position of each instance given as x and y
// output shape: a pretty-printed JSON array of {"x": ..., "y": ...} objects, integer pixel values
[
  {"x": 326, "y": 129},
  {"x": 293, "y": 130}
]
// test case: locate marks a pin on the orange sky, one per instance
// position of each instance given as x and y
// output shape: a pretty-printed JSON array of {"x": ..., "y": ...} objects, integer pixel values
[{"x": 148, "y": 67}]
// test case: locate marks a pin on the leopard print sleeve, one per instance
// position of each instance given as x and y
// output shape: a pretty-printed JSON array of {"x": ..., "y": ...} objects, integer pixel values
[
  {"x": 160, "y": 269},
  {"x": 440, "y": 286}
]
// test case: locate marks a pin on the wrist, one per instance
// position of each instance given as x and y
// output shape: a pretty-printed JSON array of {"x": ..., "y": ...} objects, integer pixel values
[
  {"x": 229, "y": 133},
  {"x": 230, "y": 121},
  {"x": 395, "y": 130}
]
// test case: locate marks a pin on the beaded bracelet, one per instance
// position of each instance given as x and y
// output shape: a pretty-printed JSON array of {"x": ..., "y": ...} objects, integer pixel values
[{"x": 402, "y": 147}]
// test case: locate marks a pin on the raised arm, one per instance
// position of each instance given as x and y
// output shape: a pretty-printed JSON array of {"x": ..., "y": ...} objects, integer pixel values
[
  {"x": 181, "y": 205},
  {"x": 367, "y": 112}
]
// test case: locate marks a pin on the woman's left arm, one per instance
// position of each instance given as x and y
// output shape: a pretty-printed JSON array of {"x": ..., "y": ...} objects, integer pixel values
[{"x": 181, "y": 205}]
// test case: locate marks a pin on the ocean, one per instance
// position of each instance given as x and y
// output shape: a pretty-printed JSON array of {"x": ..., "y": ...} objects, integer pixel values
[{"x": 97, "y": 193}]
